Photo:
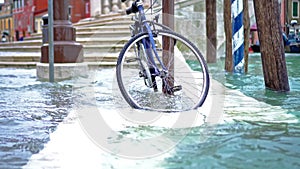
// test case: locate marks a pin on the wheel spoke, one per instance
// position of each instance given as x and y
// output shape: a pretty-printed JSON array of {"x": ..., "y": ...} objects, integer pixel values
[{"x": 186, "y": 78}]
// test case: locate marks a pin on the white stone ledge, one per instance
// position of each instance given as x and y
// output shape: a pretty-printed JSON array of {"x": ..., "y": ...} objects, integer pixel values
[{"x": 62, "y": 71}]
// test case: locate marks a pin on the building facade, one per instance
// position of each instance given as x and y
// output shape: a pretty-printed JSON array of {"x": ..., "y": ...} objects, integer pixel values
[
  {"x": 41, "y": 9},
  {"x": 6, "y": 20},
  {"x": 79, "y": 9},
  {"x": 27, "y": 15},
  {"x": 23, "y": 14},
  {"x": 290, "y": 10}
]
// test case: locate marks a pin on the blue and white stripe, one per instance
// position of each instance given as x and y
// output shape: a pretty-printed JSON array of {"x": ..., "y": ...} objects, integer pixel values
[{"x": 237, "y": 35}]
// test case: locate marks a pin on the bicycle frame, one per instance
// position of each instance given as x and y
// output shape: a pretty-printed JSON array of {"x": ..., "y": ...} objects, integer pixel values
[
  {"x": 148, "y": 43},
  {"x": 161, "y": 59}
]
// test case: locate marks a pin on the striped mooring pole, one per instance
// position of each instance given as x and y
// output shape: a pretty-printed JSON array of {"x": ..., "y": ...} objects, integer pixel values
[{"x": 237, "y": 35}]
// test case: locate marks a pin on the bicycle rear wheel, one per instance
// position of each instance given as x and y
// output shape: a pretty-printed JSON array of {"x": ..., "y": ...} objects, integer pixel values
[{"x": 182, "y": 86}]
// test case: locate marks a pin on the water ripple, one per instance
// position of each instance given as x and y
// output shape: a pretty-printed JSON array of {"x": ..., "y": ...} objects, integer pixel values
[{"x": 29, "y": 111}]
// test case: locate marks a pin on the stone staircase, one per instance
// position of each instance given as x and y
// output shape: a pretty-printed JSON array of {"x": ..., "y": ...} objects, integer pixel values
[{"x": 102, "y": 40}]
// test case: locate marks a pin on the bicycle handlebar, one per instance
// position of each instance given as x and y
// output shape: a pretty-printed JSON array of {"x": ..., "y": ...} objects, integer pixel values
[{"x": 133, "y": 8}]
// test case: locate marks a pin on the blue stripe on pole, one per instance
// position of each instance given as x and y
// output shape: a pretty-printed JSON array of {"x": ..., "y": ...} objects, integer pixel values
[
  {"x": 237, "y": 35},
  {"x": 237, "y": 22},
  {"x": 237, "y": 59}
]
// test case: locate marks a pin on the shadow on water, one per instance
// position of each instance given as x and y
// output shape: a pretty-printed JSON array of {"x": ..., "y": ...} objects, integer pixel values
[{"x": 29, "y": 111}]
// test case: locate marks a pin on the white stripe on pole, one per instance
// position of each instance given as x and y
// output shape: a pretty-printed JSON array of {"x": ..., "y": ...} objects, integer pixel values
[
  {"x": 237, "y": 7},
  {"x": 238, "y": 39}
]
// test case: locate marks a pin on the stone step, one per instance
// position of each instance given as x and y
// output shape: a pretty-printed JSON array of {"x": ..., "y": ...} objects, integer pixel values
[
  {"x": 102, "y": 41},
  {"x": 20, "y": 58},
  {"x": 104, "y": 28},
  {"x": 37, "y": 42},
  {"x": 87, "y": 49},
  {"x": 92, "y": 65},
  {"x": 95, "y": 65},
  {"x": 35, "y": 57},
  {"x": 20, "y": 49},
  {"x": 18, "y": 64},
  {"x": 102, "y": 21},
  {"x": 106, "y": 34},
  {"x": 33, "y": 38},
  {"x": 99, "y": 26},
  {"x": 92, "y": 34},
  {"x": 14, "y": 56},
  {"x": 112, "y": 23},
  {"x": 96, "y": 49},
  {"x": 92, "y": 40},
  {"x": 119, "y": 26},
  {"x": 102, "y": 18},
  {"x": 103, "y": 57}
]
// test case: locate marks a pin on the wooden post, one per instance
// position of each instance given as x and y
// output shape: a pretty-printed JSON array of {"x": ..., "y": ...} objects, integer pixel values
[
  {"x": 211, "y": 31},
  {"x": 66, "y": 50},
  {"x": 246, "y": 21},
  {"x": 228, "y": 35},
  {"x": 271, "y": 44},
  {"x": 168, "y": 44},
  {"x": 168, "y": 13}
]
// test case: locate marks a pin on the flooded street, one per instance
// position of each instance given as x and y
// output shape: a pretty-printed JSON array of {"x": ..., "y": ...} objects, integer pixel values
[
  {"x": 85, "y": 123},
  {"x": 29, "y": 111}
]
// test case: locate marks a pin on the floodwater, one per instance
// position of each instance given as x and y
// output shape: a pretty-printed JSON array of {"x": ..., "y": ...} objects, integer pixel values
[
  {"x": 256, "y": 142},
  {"x": 29, "y": 111},
  {"x": 261, "y": 133}
]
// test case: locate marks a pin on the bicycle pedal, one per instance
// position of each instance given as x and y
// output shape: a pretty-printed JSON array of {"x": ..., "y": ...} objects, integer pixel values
[
  {"x": 176, "y": 88},
  {"x": 141, "y": 74}
]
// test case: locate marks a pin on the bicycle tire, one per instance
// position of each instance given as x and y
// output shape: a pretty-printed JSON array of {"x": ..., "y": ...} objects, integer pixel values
[{"x": 189, "y": 69}]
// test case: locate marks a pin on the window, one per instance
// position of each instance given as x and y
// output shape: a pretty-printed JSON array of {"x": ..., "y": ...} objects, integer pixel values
[
  {"x": 70, "y": 12},
  {"x": 295, "y": 7},
  {"x": 87, "y": 8}
]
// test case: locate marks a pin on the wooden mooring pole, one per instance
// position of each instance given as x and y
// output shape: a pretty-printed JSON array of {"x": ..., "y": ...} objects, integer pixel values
[
  {"x": 168, "y": 44},
  {"x": 271, "y": 44},
  {"x": 211, "y": 31}
]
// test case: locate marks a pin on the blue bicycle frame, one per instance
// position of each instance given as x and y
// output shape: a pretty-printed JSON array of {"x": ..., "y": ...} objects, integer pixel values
[{"x": 149, "y": 42}]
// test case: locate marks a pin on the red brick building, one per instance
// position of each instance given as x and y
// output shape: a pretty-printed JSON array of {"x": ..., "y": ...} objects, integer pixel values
[
  {"x": 23, "y": 14},
  {"x": 28, "y": 14},
  {"x": 79, "y": 9}
]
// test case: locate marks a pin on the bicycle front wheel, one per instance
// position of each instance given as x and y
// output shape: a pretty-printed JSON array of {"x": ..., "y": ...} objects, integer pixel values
[{"x": 184, "y": 83}]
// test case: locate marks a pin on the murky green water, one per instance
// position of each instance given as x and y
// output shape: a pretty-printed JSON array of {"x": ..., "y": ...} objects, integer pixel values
[{"x": 30, "y": 110}]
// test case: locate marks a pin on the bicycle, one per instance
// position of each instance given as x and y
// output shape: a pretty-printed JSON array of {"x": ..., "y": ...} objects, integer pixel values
[{"x": 159, "y": 69}]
